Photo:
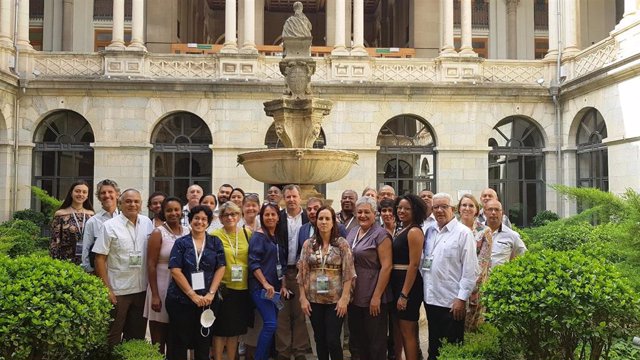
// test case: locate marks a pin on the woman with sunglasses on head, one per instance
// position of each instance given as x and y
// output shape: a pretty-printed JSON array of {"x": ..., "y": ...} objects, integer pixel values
[
  {"x": 267, "y": 262},
  {"x": 235, "y": 308},
  {"x": 250, "y": 210},
  {"x": 406, "y": 281},
  {"x": 67, "y": 227},
  {"x": 325, "y": 273},
  {"x": 159, "y": 248},
  {"x": 197, "y": 264}
]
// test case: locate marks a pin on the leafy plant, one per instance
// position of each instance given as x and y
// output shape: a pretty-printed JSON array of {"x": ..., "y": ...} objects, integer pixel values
[
  {"x": 556, "y": 303},
  {"x": 49, "y": 203},
  {"x": 487, "y": 343},
  {"x": 137, "y": 350},
  {"x": 34, "y": 216},
  {"x": 544, "y": 217},
  {"x": 50, "y": 309},
  {"x": 558, "y": 236},
  {"x": 21, "y": 237}
]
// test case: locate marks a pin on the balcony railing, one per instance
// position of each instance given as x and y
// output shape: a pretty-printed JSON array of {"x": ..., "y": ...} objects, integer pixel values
[{"x": 276, "y": 50}]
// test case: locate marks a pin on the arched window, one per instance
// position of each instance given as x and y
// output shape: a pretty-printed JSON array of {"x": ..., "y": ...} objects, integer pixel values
[
  {"x": 272, "y": 141},
  {"x": 63, "y": 152},
  {"x": 406, "y": 159},
  {"x": 516, "y": 168},
  {"x": 591, "y": 154},
  {"x": 181, "y": 155}
]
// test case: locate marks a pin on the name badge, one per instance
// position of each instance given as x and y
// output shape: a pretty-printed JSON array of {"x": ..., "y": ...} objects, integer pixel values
[
  {"x": 236, "y": 273},
  {"x": 135, "y": 259},
  {"x": 427, "y": 262},
  {"x": 322, "y": 284},
  {"x": 279, "y": 271},
  {"x": 197, "y": 280}
]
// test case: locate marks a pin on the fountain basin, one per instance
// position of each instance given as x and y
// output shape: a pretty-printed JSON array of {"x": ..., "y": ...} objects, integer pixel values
[{"x": 298, "y": 165}]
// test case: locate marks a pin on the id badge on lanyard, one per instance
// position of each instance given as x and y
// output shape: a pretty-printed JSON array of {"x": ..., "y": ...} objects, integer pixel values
[
  {"x": 322, "y": 284},
  {"x": 135, "y": 259},
  {"x": 197, "y": 277},
  {"x": 236, "y": 273},
  {"x": 427, "y": 262}
]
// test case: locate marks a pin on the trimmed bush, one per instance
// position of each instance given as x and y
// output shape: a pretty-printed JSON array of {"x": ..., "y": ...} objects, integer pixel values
[
  {"x": 485, "y": 344},
  {"x": 553, "y": 303},
  {"x": 50, "y": 309},
  {"x": 35, "y": 217},
  {"x": 21, "y": 237},
  {"x": 558, "y": 236},
  {"x": 544, "y": 217},
  {"x": 137, "y": 350}
]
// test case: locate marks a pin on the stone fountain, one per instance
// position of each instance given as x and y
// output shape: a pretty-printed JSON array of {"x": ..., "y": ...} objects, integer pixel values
[{"x": 298, "y": 118}]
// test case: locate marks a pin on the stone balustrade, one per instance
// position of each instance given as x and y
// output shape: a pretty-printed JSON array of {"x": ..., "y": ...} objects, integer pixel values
[{"x": 329, "y": 69}]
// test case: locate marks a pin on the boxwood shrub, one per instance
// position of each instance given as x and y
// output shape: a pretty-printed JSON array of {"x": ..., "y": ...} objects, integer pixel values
[
  {"x": 137, "y": 350},
  {"x": 50, "y": 309},
  {"x": 22, "y": 237},
  {"x": 556, "y": 303}
]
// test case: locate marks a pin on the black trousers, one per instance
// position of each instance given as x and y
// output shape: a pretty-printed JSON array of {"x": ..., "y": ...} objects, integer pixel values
[
  {"x": 184, "y": 322},
  {"x": 442, "y": 326},
  {"x": 327, "y": 327},
  {"x": 369, "y": 333}
]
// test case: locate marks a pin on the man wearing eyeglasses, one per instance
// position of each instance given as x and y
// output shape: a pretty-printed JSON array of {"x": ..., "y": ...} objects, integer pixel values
[
  {"x": 449, "y": 268},
  {"x": 507, "y": 243},
  {"x": 485, "y": 196}
]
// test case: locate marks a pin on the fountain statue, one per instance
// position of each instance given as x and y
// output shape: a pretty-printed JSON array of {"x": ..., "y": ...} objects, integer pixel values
[{"x": 298, "y": 120}]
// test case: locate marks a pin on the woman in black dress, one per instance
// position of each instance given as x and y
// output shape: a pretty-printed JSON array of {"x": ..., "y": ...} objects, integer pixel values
[{"x": 406, "y": 281}]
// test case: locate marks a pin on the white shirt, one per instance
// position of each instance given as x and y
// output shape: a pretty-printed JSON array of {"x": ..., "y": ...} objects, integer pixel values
[
  {"x": 454, "y": 269},
  {"x": 430, "y": 221},
  {"x": 506, "y": 246},
  {"x": 294, "y": 223},
  {"x": 118, "y": 239},
  {"x": 184, "y": 221},
  {"x": 91, "y": 230}
]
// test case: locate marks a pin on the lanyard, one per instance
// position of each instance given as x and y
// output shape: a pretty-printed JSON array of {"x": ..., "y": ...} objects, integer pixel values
[
  {"x": 435, "y": 232},
  {"x": 134, "y": 235},
  {"x": 357, "y": 239},
  {"x": 198, "y": 257},
  {"x": 323, "y": 257},
  {"x": 350, "y": 221},
  {"x": 235, "y": 253},
  {"x": 80, "y": 227}
]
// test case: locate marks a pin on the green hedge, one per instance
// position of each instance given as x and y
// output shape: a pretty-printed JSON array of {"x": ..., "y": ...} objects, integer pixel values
[
  {"x": 487, "y": 343},
  {"x": 50, "y": 309},
  {"x": 22, "y": 237},
  {"x": 137, "y": 350},
  {"x": 553, "y": 303}
]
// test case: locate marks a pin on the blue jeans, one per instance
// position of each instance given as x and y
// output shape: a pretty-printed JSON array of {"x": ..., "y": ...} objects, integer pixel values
[{"x": 269, "y": 314}]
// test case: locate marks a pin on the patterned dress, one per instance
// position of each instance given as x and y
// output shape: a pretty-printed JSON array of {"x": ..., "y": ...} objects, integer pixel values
[
  {"x": 66, "y": 236},
  {"x": 484, "y": 243}
]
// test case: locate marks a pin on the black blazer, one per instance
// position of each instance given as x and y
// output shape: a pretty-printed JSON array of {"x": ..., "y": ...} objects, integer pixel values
[{"x": 283, "y": 232}]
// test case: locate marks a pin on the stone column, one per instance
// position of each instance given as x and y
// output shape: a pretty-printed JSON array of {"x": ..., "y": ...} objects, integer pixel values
[
  {"x": 339, "y": 46},
  {"x": 552, "y": 53},
  {"x": 466, "y": 48},
  {"x": 259, "y": 20},
  {"x": 23, "y": 26},
  {"x": 447, "y": 48},
  {"x": 570, "y": 28},
  {"x": 67, "y": 25},
  {"x": 117, "y": 37},
  {"x": 137, "y": 25},
  {"x": 230, "y": 41},
  {"x": 249, "y": 45},
  {"x": 358, "y": 29},
  {"x": 512, "y": 28},
  {"x": 6, "y": 20}
]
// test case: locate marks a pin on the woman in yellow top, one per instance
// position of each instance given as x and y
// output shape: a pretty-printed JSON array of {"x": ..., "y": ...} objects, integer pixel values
[{"x": 235, "y": 308}]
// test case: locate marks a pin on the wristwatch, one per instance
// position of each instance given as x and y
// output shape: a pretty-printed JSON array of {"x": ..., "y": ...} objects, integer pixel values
[{"x": 403, "y": 296}]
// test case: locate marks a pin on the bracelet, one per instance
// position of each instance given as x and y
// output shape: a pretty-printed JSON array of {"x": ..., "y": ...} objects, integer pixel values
[
  {"x": 212, "y": 292},
  {"x": 403, "y": 296}
]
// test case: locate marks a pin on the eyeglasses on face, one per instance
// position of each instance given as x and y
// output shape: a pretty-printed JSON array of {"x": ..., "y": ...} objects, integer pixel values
[
  {"x": 229, "y": 215},
  {"x": 441, "y": 207}
]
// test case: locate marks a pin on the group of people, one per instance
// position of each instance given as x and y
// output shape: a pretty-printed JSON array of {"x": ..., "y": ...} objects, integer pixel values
[{"x": 224, "y": 269}]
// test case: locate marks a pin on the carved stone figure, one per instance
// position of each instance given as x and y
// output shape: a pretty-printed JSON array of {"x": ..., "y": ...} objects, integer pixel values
[{"x": 297, "y": 25}]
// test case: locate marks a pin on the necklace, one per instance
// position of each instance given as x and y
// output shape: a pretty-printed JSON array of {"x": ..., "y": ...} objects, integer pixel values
[{"x": 78, "y": 209}]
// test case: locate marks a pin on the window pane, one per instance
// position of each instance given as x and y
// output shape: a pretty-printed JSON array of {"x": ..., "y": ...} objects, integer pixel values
[
  {"x": 182, "y": 164},
  {"x": 162, "y": 185},
  {"x": 201, "y": 165},
  {"x": 162, "y": 164}
]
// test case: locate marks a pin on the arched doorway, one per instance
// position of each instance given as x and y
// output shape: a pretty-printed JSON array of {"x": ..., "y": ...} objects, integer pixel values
[
  {"x": 181, "y": 155},
  {"x": 592, "y": 165},
  {"x": 63, "y": 152},
  {"x": 406, "y": 159},
  {"x": 516, "y": 168}
]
